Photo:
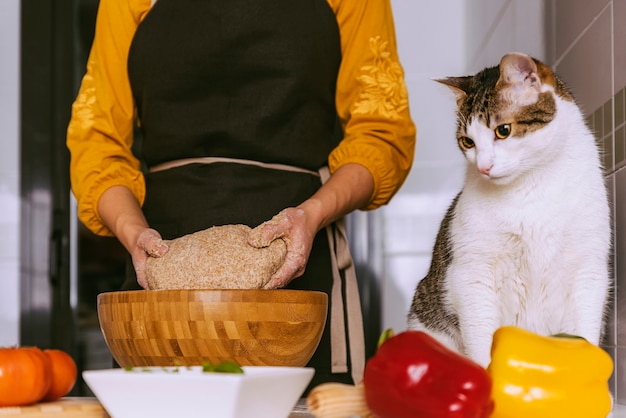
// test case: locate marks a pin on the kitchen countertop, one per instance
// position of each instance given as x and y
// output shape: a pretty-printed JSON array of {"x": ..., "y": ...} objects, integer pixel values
[
  {"x": 89, "y": 408},
  {"x": 300, "y": 411}
]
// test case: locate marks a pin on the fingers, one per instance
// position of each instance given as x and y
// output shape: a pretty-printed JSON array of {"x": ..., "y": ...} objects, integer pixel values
[
  {"x": 264, "y": 234},
  {"x": 293, "y": 267},
  {"x": 149, "y": 244},
  {"x": 152, "y": 243},
  {"x": 290, "y": 225}
]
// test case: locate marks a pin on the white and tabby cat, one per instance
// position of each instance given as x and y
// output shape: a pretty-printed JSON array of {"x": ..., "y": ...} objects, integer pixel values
[{"x": 527, "y": 240}]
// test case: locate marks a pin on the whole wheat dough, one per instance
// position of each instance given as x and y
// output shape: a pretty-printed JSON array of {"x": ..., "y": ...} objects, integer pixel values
[{"x": 215, "y": 258}]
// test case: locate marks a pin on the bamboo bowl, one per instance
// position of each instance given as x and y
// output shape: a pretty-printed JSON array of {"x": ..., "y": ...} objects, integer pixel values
[{"x": 189, "y": 327}]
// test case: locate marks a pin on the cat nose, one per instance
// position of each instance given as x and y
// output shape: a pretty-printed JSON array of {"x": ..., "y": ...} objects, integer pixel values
[{"x": 485, "y": 169}]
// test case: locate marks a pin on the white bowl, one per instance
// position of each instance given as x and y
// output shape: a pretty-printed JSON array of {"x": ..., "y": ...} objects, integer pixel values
[{"x": 260, "y": 392}]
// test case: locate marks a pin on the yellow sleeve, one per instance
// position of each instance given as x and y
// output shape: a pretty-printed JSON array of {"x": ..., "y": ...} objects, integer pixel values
[
  {"x": 372, "y": 99},
  {"x": 100, "y": 132}
]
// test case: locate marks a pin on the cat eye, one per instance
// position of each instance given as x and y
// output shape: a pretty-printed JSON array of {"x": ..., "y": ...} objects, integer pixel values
[
  {"x": 503, "y": 131},
  {"x": 466, "y": 142}
]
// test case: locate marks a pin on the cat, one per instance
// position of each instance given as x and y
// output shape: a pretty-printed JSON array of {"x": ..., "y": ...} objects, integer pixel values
[{"x": 527, "y": 240}]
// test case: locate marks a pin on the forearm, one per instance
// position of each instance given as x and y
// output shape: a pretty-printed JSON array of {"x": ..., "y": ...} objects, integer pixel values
[
  {"x": 349, "y": 188},
  {"x": 121, "y": 213}
]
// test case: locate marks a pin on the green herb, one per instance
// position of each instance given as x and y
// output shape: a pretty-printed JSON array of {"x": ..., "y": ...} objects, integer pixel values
[
  {"x": 224, "y": 367},
  {"x": 134, "y": 370}
]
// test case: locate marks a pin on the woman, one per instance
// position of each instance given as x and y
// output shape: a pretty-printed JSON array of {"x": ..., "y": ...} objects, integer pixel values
[{"x": 240, "y": 103}]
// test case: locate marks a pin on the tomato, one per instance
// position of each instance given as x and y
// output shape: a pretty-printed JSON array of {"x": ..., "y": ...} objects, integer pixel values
[
  {"x": 64, "y": 373},
  {"x": 25, "y": 375}
]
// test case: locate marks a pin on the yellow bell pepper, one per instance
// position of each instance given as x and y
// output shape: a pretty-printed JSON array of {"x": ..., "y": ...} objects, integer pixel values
[{"x": 547, "y": 377}]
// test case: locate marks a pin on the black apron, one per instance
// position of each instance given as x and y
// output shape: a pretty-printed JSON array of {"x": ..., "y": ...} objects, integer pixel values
[{"x": 238, "y": 79}]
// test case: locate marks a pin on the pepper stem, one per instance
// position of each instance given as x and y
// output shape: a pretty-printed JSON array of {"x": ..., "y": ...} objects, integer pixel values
[
  {"x": 386, "y": 334},
  {"x": 566, "y": 335}
]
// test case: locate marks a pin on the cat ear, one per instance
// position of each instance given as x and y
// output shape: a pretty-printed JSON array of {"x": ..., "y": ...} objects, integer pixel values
[
  {"x": 519, "y": 71},
  {"x": 459, "y": 85}
]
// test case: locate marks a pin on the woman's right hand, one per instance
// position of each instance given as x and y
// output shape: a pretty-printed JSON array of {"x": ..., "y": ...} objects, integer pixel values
[
  {"x": 149, "y": 244},
  {"x": 121, "y": 213}
]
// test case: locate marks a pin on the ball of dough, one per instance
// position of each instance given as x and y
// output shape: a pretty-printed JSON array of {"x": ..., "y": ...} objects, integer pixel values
[{"x": 215, "y": 258}]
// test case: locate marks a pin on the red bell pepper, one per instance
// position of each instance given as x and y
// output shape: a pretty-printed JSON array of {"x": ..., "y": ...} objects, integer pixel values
[{"x": 413, "y": 375}]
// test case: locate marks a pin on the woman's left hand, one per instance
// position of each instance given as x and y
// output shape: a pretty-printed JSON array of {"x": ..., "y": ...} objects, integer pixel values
[{"x": 290, "y": 225}]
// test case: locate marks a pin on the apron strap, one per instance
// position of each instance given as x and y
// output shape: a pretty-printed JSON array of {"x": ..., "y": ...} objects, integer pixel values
[{"x": 341, "y": 260}]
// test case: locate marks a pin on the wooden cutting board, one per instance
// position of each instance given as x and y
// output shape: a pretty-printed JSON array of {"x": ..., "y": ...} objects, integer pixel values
[{"x": 72, "y": 407}]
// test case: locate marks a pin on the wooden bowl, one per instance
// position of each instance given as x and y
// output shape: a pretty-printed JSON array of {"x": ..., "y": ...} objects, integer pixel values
[{"x": 189, "y": 327}]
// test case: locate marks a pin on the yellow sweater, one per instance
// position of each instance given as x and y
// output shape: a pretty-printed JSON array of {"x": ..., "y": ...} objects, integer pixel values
[{"x": 371, "y": 101}]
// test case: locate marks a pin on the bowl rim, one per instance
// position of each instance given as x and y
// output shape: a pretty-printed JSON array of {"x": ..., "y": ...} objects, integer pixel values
[{"x": 286, "y": 294}]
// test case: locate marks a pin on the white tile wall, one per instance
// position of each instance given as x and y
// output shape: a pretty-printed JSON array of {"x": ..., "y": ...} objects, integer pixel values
[
  {"x": 619, "y": 43},
  {"x": 9, "y": 172},
  {"x": 574, "y": 17},
  {"x": 592, "y": 85},
  {"x": 590, "y": 56},
  {"x": 495, "y": 28}
]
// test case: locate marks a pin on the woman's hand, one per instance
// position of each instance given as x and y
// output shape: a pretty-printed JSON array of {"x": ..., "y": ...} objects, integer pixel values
[
  {"x": 149, "y": 244},
  {"x": 349, "y": 188},
  {"x": 290, "y": 225},
  {"x": 121, "y": 213}
]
